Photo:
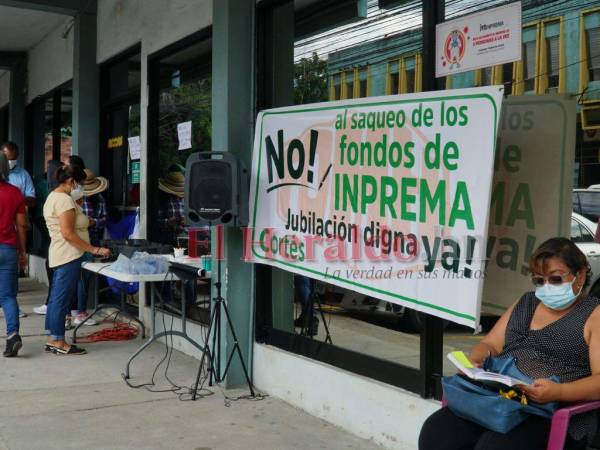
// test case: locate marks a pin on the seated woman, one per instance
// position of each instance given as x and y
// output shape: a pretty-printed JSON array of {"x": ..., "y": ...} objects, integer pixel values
[{"x": 554, "y": 330}]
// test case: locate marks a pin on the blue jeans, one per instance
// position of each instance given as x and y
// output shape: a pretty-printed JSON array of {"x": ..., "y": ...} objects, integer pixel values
[
  {"x": 64, "y": 283},
  {"x": 8, "y": 287}
]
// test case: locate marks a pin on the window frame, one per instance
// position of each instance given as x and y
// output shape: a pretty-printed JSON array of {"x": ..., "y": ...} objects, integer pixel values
[
  {"x": 583, "y": 65},
  {"x": 542, "y": 56},
  {"x": 402, "y": 74},
  {"x": 519, "y": 85}
]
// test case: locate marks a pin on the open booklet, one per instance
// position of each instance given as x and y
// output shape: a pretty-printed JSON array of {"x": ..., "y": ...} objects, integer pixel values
[{"x": 462, "y": 363}]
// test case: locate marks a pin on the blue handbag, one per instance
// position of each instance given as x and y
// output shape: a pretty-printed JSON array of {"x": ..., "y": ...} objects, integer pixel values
[{"x": 484, "y": 406}]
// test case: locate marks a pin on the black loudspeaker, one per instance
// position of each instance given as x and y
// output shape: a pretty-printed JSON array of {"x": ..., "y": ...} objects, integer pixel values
[{"x": 216, "y": 190}]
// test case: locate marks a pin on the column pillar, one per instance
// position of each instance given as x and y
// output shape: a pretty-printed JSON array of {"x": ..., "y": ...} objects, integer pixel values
[
  {"x": 276, "y": 88},
  {"x": 86, "y": 98},
  {"x": 233, "y": 116}
]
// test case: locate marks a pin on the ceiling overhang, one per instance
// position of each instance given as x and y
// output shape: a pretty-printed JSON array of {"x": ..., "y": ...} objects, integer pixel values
[{"x": 66, "y": 7}]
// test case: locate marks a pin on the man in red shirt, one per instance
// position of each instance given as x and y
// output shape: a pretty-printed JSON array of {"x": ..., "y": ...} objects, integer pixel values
[{"x": 13, "y": 227}]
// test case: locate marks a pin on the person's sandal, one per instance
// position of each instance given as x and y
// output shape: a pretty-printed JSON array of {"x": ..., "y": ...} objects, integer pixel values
[{"x": 73, "y": 350}]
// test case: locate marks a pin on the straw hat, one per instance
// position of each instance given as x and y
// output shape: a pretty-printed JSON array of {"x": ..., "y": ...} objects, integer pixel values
[
  {"x": 173, "y": 183},
  {"x": 92, "y": 184}
]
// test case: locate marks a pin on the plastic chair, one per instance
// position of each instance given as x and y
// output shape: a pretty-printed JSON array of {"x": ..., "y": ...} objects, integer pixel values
[{"x": 560, "y": 422}]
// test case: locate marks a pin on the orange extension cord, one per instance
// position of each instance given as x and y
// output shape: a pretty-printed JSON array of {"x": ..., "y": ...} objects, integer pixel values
[{"x": 121, "y": 331}]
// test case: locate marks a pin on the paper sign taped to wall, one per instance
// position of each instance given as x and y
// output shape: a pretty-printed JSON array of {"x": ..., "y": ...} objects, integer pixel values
[
  {"x": 134, "y": 147},
  {"x": 184, "y": 132}
]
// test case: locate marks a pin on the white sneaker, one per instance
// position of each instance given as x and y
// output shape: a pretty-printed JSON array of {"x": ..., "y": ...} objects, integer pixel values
[
  {"x": 79, "y": 318},
  {"x": 22, "y": 313},
  {"x": 41, "y": 310}
]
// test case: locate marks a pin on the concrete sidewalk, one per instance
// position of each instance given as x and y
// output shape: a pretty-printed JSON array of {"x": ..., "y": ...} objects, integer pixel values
[{"x": 57, "y": 402}]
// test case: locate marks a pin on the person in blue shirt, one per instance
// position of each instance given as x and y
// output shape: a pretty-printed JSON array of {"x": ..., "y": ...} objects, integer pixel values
[{"x": 18, "y": 176}]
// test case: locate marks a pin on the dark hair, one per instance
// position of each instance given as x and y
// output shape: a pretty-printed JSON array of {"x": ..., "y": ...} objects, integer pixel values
[
  {"x": 10, "y": 145},
  {"x": 64, "y": 172},
  {"x": 75, "y": 160},
  {"x": 565, "y": 250}
]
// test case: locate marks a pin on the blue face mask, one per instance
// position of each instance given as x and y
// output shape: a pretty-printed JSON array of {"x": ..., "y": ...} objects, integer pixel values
[{"x": 557, "y": 296}]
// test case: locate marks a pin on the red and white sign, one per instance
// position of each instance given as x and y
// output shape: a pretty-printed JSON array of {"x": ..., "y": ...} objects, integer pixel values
[{"x": 479, "y": 40}]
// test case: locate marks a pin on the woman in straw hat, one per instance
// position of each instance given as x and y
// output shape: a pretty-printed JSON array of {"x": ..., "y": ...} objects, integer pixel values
[
  {"x": 94, "y": 207},
  {"x": 171, "y": 213}
]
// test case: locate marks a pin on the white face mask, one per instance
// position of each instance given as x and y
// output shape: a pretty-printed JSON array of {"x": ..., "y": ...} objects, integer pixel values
[
  {"x": 77, "y": 192},
  {"x": 12, "y": 163}
]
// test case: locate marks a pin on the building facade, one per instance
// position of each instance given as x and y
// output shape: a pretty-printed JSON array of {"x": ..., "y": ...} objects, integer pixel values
[
  {"x": 560, "y": 54},
  {"x": 96, "y": 79}
]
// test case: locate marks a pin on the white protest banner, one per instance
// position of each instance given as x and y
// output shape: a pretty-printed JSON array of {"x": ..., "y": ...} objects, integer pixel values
[
  {"x": 531, "y": 193},
  {"x": 483, "y": 39},
  {"x": 387, "y": 196}
]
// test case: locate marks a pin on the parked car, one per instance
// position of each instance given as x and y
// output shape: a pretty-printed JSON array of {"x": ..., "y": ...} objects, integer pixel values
[
  {"x": 587, "y": 203},
  {"x": 583, "y": 232}
]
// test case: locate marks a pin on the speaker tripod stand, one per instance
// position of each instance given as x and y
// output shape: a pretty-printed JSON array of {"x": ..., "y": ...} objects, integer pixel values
[
  {"x": 307, "y": 327},
  {"x": 211, "y": 358}
]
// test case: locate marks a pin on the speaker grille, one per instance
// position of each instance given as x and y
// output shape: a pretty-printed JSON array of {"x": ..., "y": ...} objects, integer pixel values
[{"x": 211, "y": 190}]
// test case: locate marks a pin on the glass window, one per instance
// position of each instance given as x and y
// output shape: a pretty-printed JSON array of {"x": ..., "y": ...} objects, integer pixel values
[
  {"x": 552, "y": 62},
  {"x": 576, "y": 206},
  {"x": 486, "y": 76},
  {"x": 48, "y": 131},
  {"x": 593, "y": 52},
  {"x": 529, "y": 59},
  {"x": 337, "y": 87},
  {"x": 580, "y": 233},
  {"x": 409, "y": 74},
  {"x": 507, "y": 78},
  {"x": 590, "y": 205},
  {"x": 120, "y": 121},
  {"x": 586, "y": 235},
  {"x": 349, "y": 82},
  {"x": 180, "y": 100},
  {"x": 575, "y": 231},
  {"x": 322, "y": 311},
  {"x": 123, "y": 77},
  {"x": 310, "y": 80},
  {"x": 394, "y": 78},
  {"x": 66, "y": 124},
  {"x": 364, "y": 75},
  {"x": 184, "y": 96}
]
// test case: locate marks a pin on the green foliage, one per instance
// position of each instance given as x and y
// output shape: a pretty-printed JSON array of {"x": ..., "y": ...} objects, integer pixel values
[
  {"x": 190, "y": 101},
  {"x": 310, "y": 80}
]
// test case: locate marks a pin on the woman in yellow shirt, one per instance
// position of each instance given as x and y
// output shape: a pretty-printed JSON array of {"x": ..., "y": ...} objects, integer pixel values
[{"x": 69, "y": 240}]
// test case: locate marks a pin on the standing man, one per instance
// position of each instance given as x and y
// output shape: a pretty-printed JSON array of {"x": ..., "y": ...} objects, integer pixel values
[
  {"x": 20, "y": 179},
  {"x": 18, "y": 176}
]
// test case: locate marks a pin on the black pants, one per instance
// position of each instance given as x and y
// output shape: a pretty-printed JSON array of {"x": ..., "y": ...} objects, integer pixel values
[
  {"x": 49, "y": 273},
  {"x": 445, "y": 431}
]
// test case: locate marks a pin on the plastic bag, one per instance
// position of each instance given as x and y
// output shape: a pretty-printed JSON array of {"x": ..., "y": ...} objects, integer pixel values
[
  {"x": 122, "y": 265},
  {"x": 141, "y": 263}
]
